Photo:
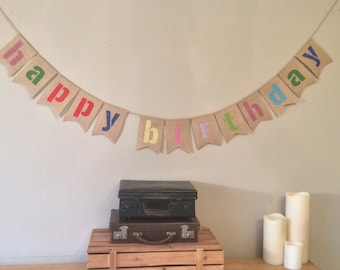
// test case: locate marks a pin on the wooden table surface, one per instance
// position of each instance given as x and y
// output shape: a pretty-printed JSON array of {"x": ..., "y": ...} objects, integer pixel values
[{"x": 229, "y": 264}]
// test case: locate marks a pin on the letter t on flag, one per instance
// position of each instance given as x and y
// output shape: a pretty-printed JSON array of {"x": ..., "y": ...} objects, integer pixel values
[{"x": 150, "y": 133}]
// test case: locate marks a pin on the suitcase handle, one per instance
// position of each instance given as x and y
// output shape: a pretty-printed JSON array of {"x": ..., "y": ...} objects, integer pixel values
[
  {"x": 158, "y": 212},
  {"x": 169, "y": 238}
]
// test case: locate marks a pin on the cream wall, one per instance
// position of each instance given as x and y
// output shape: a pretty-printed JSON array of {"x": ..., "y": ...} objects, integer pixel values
[{"x": 167, "y": 59}]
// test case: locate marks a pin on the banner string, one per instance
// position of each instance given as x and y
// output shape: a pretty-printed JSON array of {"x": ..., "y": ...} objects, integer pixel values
[
  {"x": 140, "y": 115},
  {"x": 325, "y": 18}
]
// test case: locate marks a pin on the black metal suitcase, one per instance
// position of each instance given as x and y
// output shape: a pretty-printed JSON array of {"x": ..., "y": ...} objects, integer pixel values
[
  {"x": 156, "y": 199},
  {"x": 153, "y": 231}
]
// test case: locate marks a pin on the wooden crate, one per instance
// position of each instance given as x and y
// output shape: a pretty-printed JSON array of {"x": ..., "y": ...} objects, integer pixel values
[{"x": 206, "y": 254}]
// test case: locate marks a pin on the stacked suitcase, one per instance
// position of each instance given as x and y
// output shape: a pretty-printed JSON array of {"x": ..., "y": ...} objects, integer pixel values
[{"x": 155, "y": 212}]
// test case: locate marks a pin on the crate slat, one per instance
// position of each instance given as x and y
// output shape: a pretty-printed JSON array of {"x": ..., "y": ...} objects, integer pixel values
[{"x": 206, "y": 254}]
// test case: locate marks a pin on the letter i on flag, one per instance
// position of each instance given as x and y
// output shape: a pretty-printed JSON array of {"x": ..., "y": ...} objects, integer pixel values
[
  {"x": 254, "y": 110},
  {"x": 83, "y": 110},
  {"x": 150, "y": 133},
  {"x": 110, "y": 122},
  {"x": 313, "y": 57},
  {"x": 205, "y": 130},
  {"x": 58, "y": 94},
  {"x": 178, "y": 135},
  {"x": 35, "y": 75},
  {"x": 231, "y": 122},
  {"x": 16, "y": 54}
]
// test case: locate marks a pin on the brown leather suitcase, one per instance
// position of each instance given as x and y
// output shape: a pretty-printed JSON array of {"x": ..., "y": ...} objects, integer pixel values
[
  {"x": 156, "y": 199},
  {"x": 152, "y": 231}
]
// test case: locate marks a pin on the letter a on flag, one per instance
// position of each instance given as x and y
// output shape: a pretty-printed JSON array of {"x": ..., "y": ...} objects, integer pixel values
[
  {"x": 296, "y": 76},
  {"x": 35, "y": 75}
]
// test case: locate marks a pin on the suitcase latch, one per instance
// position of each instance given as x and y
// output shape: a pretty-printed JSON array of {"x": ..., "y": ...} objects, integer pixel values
[
  {"x": 185, "y": 234},
  {"x": 122, "y": 234}
]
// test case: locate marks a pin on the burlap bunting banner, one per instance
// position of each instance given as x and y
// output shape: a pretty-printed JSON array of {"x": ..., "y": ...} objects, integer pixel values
[
  {"x": 205, "y": 130},
  {"x": 278, "y": 95},
  {"x": 178, "y": 135},
  {"x": 296, "y": 76},
  {"x": 314, "y": 57},
  {"x": 231, "y": 122},
  {"x": 35, "y": 75},
  {"x": 150, "y": 133},
  {"x": 58, "y": 94},
  {"x": 254, "y": 110},
  {"x": 110, "y": 122},
  {"x": 62, "y": 96},
  {"x": 16, "y": 54},
  {"x": 83, "y": 110}
]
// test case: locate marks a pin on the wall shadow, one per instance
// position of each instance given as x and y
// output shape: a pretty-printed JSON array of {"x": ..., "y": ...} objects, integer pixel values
[{"x": 235, "y": 217}]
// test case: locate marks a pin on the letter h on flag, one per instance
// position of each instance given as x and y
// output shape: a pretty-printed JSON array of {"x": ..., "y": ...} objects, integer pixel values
[{"x": 16, "y": 54}]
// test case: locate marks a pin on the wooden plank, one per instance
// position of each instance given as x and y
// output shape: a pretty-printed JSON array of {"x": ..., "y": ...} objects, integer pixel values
[
  {"x": 186, "y": 267},
  {"x": 199, "y": 258},
  {"x": 113, "y": 260},
  {"x": 230, "y": 264},
  {"x": 145, "y": 259},
  {"x": 100, "y": 243},
  {"x": 98, "y": 261}
]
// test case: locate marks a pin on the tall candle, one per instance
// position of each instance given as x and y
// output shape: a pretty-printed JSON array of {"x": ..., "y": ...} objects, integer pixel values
[
  {"x": 274, "y": 237},
  {"x": 297, "y": 213}
]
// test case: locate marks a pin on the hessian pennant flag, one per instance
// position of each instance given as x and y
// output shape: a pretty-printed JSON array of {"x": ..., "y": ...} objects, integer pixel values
[
  {"x": 150, "y": 133},
  {"x": 110, "y": 122},
  {"x": 58, "y": 94},
  {"x": 35, "y": 75},
  {"x": 231, "y": 122},
  {"x": 178, "y": 135},
  {"x": 296, "y": 76},
  {"x": 313, "y": 57},
  {"x": 83, "y": 109},
  {"x": 254, "y": 110},
  {"x": 16, "y": 54},
  {"x": 278, "y": 95},
  {"x": 205, "y": 130}
]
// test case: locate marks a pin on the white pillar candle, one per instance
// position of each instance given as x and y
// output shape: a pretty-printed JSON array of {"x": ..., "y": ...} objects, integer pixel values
[
  {"x": 293, "y": 255},
  {"x": 274, "y": 237},
  {"x": 297, "y": 213}
]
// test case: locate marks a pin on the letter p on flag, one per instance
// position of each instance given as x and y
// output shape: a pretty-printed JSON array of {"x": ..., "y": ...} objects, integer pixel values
[{"x": 83, "y": 110}]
